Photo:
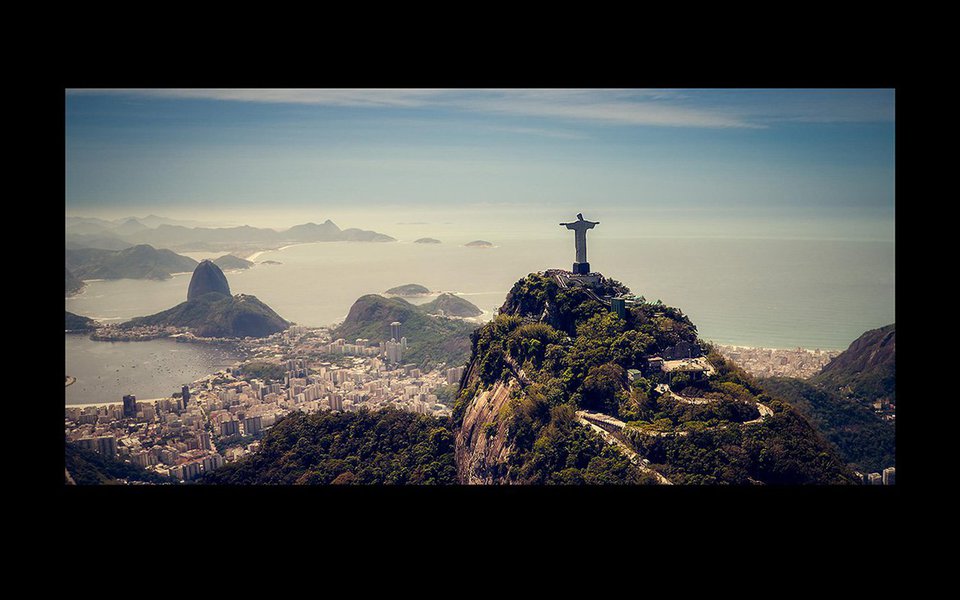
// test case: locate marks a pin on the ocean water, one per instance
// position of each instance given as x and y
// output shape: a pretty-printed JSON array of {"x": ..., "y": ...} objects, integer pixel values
[
  {"x": 106, "y": 371},
  {"x": 748, "y": 292},
  {"x": 756, "y": 292}
]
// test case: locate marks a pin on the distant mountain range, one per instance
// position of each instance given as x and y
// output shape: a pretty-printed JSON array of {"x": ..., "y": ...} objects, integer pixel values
[
  {"x": 137, "y": 262},
  {"x": 166, "y": 233}
]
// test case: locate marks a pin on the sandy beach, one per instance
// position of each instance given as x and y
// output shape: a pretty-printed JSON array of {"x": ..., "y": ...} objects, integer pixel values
[{"x": 114, "y": 403}]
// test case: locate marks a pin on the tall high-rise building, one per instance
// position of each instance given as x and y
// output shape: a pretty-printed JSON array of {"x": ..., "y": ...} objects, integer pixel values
[
  {"x": 875, "y": 479},
  {"x": 228, "y": 428},
  {"x": 203, "y": 440},
  {"x": 107, "y": 445},
  {"x": 251, "y": 425},
  {"x": 129, "y": 406},
  {"x": 87, "y": 443},
  {"x": 185, "y": 390},
  {"x": 395, "y": 330},
  {"x": 212, "y": 462},
  {"x": 393, "y": 351},
  {"x": 454, "y": 374},
  {"x": 889, "y": 476},
  {"x": 191, "y": 470}
]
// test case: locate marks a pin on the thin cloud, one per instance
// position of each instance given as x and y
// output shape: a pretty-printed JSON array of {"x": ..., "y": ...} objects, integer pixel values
[
  {"x": 323, "y": 97},
  {"x": 663, "y": 108}
]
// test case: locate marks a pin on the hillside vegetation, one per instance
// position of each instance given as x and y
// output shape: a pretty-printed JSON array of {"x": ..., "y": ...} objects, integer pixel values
[
  {"x": 431, "y": 340},
  {"x": 90, "y": 468},
  {"x": 216, "y": 315},
  {"x": 389, "y": 447},
  {"x": 574, "y": 354},
  {"x": 452, "y": 306},
  {"x": 839, "y": 401}
]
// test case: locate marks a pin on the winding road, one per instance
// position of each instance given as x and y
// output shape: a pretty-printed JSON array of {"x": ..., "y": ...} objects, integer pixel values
[{"x": 610, "y": 438}]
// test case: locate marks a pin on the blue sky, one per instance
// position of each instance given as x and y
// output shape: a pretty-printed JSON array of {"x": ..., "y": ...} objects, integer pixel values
[{"x": 783, "y": 156}]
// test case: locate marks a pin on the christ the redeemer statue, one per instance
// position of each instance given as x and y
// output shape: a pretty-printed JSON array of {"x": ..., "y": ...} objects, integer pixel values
[{"x": 580, "y": 227}]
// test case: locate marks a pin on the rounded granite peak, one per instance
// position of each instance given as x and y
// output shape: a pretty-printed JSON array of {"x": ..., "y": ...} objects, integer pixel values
[{"x": 207, "y": 278}]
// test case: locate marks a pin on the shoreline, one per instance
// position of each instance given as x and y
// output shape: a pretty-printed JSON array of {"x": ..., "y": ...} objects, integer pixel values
[
  {"x": 790, "y": 349},
  {"x": 114, "y": 403},
  {"x": 255, "y": 255}
]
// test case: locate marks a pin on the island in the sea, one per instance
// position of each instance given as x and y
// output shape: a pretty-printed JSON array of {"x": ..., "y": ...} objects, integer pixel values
[
  {"x": 229, "y": 261},
  {"x": 426, "y": 240},
  {"x": 479, "y": 244},
  {"x": 410, "y": 289}
]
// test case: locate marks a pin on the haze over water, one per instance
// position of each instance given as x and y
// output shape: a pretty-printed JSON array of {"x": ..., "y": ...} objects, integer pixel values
[{"x": 773, "y": 293}]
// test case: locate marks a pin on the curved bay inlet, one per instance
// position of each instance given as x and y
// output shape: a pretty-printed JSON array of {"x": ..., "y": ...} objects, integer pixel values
[
  {"x": 106, "y": 371},
  {"x": 748, "y": 292}
]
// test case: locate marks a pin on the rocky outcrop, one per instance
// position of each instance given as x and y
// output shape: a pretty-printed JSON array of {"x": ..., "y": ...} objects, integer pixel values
[
  {"x": 207, "y": 278},
  {"x": 216, "y": 315},
  {"x": 867, "y": 369},
  {"x": 481, "y": 444}
]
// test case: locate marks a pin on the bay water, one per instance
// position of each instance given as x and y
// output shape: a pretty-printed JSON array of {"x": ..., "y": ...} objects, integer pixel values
[{"x": 779, "y": 293}]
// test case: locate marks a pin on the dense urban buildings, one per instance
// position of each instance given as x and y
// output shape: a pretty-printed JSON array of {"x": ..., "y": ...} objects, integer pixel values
[
  {"x": 221, "y": 417},
  {"x": 775, "y": 362}
]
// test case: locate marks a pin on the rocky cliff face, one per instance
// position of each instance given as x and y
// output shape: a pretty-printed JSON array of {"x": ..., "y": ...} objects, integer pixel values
[
  {"x": 207, "y": 278},
  {"x": 867, "y": 369},
  {"x": 481, "y": 445}
]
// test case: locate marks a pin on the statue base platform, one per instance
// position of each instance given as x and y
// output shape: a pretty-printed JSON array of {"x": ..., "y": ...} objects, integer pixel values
[
  {"x": 581, "y": 268},
  {"x": 569, "y": 279}
]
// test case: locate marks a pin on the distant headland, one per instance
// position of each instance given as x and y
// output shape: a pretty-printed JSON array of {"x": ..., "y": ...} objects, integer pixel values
[{"x": 410, "y": 289}]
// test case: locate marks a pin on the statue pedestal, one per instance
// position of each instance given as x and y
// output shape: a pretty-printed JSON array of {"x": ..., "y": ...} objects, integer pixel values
[{"x": 581, "y": 268}]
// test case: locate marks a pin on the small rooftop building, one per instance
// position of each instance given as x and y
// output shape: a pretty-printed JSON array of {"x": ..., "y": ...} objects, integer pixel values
[{"x": 697, "y": 368}]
